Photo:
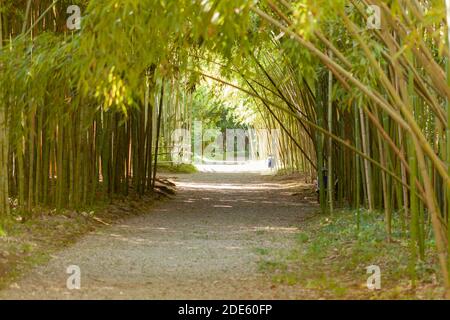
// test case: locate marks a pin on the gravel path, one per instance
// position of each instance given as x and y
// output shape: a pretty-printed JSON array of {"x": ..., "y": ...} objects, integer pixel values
[{"x": 200, "y": 245}]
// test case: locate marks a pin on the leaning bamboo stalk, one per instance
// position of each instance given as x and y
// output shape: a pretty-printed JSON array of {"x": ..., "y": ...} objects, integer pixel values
[
  {"x": 440, "y": 235},
  {"x": 4, "y": 191},
  {"x": 447, "y": 5},
  {"x": 408, "y": 123},
  {"x": 406, "y": 112},
  {"x": 311, "y": 123},
  {"x": 330, "y": 183},
  {"x": 386, "y": 195},
  {"x": 158, "y": 130},
  {"x": 367, "y": 171}
]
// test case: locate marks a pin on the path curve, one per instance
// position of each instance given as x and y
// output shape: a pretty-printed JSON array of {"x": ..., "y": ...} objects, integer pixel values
[{"x": 200, "y": 245}]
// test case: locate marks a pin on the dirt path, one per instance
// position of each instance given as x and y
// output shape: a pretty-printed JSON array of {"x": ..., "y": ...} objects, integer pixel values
[{"x": 200, "y": 245}]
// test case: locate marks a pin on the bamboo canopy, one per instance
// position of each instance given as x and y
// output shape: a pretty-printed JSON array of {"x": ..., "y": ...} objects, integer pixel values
[{"x": 87, "y": 113}]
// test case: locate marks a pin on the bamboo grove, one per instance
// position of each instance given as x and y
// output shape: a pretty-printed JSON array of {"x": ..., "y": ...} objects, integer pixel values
[{"x": 86, "y": 114}]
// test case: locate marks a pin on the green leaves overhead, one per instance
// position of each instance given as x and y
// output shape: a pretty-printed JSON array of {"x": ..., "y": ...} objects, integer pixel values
[{"x": 134, "y": 35}]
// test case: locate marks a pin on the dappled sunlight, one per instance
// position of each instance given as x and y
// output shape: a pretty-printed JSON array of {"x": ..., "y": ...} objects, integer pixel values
[
  {"x": 237, "y": 186},
  {"x": 259, "y": 166},
  {"x": 234, "y": 248},
  {"x": 244, "y": 172}
]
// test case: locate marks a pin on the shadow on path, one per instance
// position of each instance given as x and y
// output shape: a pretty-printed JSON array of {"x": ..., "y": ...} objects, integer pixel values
[{"x": 200, "y": 245}]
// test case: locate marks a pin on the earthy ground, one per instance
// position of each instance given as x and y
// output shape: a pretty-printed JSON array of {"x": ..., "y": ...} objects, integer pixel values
[{"x": 202, "y": 244}]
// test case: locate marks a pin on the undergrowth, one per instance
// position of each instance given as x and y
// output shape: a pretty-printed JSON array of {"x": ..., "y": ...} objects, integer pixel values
[
  {"x": 176, "y": 168},
  {"x": 332, "y": 253}
]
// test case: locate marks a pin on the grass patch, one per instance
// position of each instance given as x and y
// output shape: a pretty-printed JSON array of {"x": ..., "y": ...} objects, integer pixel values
[
  {"x": 262, "y": 251},
  {"x": 331, "y": 257},
  {"x": 272, "y": 266},
  {"x": 176, "y": 168}
]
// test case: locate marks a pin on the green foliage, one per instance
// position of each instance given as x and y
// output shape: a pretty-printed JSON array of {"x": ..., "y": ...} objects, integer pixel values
[
  {"x": 177, "y": 168},
  {"x": 331, "y": 257},
  {"x": 86, "y": 111},
  {"x": 218, "y": 107}
]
